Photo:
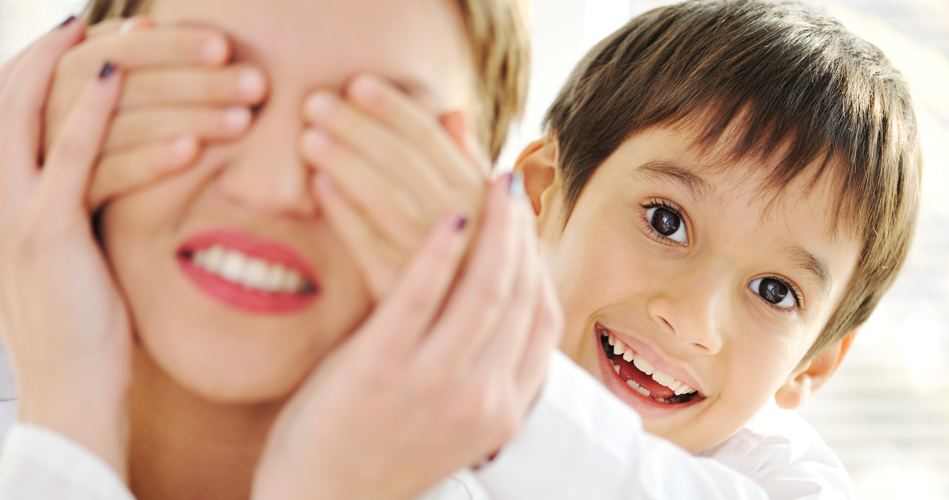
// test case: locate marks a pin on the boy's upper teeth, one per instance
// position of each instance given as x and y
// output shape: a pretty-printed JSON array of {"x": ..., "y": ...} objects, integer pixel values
[
  {"x": 250, "y": 272},
  {"x": 621, "y": 349}
]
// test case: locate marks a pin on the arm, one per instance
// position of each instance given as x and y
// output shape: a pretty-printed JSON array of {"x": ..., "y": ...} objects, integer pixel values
[
  {"x": 581, "y": 442},
  {"x": 73, "y": 366},
  {"x": 38, "y": 464}
]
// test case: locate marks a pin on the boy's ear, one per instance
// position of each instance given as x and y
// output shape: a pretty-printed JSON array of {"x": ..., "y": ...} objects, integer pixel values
[
  {"x": 538, "y": 164},
  {"x": 814, "y": 374}
]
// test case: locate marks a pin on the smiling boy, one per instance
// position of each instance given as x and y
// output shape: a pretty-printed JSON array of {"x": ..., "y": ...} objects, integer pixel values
[{"x": 725, "y": 191}]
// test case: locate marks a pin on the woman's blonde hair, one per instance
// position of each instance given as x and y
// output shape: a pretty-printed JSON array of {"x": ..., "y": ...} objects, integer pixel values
[{"x": 500, "y": 45}]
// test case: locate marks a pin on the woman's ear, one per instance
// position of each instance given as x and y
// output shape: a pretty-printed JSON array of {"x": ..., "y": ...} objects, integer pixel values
[
  {"x": 538, "y": 164},
  {"x": 814, "y": 374}
]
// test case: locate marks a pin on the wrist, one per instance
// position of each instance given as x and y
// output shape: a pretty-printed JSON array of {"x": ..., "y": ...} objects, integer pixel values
[{"x": 96, "y": 421}]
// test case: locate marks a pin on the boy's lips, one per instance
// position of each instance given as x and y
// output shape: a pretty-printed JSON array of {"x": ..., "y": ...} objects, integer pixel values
[
  {"x": 248, "y": 273},
  {"x": 639, "y": 375}
]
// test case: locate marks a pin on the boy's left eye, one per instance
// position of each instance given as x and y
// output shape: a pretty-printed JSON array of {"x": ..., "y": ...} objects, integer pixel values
[{"x": 774, "y": 291}]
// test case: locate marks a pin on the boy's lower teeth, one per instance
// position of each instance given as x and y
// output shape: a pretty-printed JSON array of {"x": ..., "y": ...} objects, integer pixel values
[{"x": 674, "y": 399}]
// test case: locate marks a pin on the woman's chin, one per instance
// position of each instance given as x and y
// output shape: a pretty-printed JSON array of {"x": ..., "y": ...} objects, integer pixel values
[{"x": 225, "y": 368}]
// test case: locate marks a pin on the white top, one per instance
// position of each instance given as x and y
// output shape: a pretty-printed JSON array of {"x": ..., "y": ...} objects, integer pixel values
[{"x": 579, "y": 442}]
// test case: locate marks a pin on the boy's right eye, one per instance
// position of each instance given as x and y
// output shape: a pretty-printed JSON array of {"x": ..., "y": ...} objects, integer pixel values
[{"x": 668, "y": 223}]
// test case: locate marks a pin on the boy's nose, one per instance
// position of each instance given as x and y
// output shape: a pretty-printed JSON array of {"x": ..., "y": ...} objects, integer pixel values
[
  {"x": 693, "y": 309},
  {"x": 267, "y": 174}
]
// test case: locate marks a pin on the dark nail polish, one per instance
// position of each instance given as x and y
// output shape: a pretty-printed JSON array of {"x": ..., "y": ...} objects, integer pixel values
[
  {"x": 108, "y": 69},
  {"x": 461, "y": 222},
  {"x": 65, "y": 23}
]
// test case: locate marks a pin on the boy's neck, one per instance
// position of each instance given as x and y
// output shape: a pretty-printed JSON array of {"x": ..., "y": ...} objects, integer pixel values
[{"x": 185, "y": 447}]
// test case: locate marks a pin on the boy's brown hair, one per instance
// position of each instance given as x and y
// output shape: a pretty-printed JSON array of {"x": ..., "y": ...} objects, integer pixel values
[
  {"x": 795, "y": 82},
  {"x": 500, "y": 45}
]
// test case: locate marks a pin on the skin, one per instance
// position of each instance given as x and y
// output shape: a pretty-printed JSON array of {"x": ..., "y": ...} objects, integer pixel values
[
  {"x": 209, "y": 380},
  {"x": 689, "y": 306},
  {"x": 438, "y": 377}
]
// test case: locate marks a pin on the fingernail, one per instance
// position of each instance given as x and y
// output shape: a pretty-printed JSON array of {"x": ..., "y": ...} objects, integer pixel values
[
  {"x": 320, "y": 104},
  {"x": 317, "y": 140},
  {"x": 213, "y": 50},
  {"x": 129, "y": 24},
  {"x": 108, "y": 69},
  {"x": 236, "y": 118},
  {"x": 365, "y": 88},
  {"x": 516, "y": 189},
  {"x": 183, "y": 146},
  {"x": 65, "y": 23},
  {"x": 251, "y": 82},
  {"x": 461, "y": 222}
]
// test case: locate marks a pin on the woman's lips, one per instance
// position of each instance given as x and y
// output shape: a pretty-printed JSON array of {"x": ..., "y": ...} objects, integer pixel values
[{"x": 248, "y": 273}]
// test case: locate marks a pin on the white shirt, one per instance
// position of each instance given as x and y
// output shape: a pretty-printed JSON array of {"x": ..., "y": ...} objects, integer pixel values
[{"x": 579, "y": 442}]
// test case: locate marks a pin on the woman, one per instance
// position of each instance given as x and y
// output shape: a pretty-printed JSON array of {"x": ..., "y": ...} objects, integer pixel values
[{"x": 206, "y": 366}]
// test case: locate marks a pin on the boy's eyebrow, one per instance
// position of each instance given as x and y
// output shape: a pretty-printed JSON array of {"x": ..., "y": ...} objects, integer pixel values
[
  {"x": 696, "y": 185},
  {"x": 813, "y": 264}
]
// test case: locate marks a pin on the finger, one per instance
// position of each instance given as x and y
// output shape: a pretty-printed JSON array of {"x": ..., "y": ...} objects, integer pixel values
[
  {"x": 505, "y": 347},
  {"x": 126, "y": 170},
  {"x": 21, "y": 104},
  {"x": 142, "y": 48},
  {"x": 403, "y": 162},
  {"x": 139, "y": 126},
  {"x": 237, "y": 84},
  {"x": 545, "y": 337},
  {"x": 484, "y": 287},
  {"x": 403, "y": 318},
  {"x": 378, "y": 261},
  {"x": 402, "y": 113},
  {"x": 67, "y": 170},
  {"x": 115, "y": 25},
  {"x": 393, "y": 213},
  {"x": 459, "y": 126}
]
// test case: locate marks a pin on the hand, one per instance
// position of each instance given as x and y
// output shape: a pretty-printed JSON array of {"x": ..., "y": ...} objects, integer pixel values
[
  {"x": 437, "y": 378},
  {"x": 61, "y": 318},
  {"x": 179, "y": 92},
  {"x": 395, "y": 169}
]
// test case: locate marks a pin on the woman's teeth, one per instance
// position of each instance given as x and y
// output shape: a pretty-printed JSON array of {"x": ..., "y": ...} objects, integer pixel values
[
  {"x": 250, "y": 272},
  {"x": 621, "y": 349}
]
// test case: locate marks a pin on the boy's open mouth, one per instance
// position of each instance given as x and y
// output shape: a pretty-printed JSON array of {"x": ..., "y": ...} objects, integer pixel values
[{"x": 642, "y": 377}]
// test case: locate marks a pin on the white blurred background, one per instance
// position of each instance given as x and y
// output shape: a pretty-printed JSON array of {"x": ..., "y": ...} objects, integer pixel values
[{"x": 886, "y": 413}]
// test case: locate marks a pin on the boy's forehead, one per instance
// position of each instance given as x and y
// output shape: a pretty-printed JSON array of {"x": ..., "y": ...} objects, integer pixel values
[
  {"x": 797, "y": 220},
  {"x": 420, "y": 45}
]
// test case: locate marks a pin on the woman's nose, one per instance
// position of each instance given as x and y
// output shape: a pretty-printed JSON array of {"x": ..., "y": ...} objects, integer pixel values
[
  {"x": 267, "y": 173},
  {"x": 694, "y": 308}
]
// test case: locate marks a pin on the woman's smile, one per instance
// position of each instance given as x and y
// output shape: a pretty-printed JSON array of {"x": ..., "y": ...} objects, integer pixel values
[{"x": 247, "y": 272}]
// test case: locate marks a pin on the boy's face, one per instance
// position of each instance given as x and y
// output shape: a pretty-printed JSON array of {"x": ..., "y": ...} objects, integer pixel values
[
  {"x": 250, "y": 200},
  {"x": 700, "y": 272}
]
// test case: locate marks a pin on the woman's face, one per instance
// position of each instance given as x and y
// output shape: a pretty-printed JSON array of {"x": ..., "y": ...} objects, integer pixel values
[{"x": 236, "y": 283}]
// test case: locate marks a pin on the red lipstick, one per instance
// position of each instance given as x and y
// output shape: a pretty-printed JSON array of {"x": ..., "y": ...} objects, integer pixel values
[{"x": 240, "y": 295}]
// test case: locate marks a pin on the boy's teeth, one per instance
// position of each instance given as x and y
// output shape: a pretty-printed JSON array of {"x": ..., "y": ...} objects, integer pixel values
[
  {"x": 620, "y": 349},
  {"x": 250, "y": 272},
  {"x": 638, "y": 388},
  {"x": 684, "y": 389},
  {"x": 644, "y": 366}
]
